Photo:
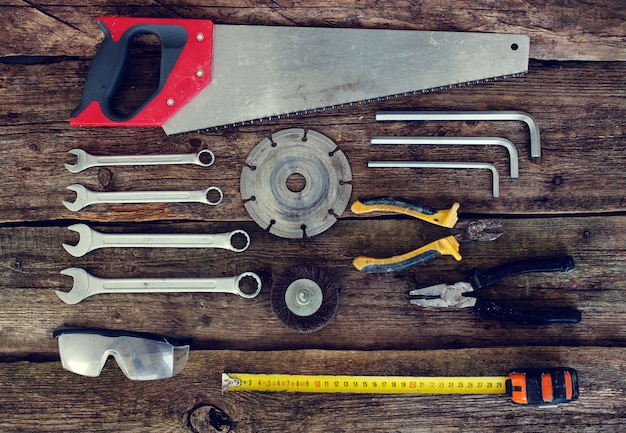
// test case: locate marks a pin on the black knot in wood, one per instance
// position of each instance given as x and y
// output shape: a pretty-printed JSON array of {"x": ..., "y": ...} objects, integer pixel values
[
  {"x": 209, "y": 419},
  {"x": 105, "y": 177},
  {"x": 195, "y": 143}
]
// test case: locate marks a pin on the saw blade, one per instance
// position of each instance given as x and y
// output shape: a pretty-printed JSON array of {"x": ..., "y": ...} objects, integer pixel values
[
  {"x": 300, "y": 210},
  {"x": 263, "y": 72}
]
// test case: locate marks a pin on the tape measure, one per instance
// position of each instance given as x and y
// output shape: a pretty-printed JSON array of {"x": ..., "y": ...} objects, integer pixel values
[
  {"x": 534, "y": 387},
  {"x": 363, "y": 384}
]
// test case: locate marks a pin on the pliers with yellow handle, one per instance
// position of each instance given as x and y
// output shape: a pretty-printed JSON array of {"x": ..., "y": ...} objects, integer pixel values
[{"x": 467, "y": 231}]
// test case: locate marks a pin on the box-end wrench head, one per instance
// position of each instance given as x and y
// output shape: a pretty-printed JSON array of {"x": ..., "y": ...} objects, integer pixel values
[
  {"x": 86, "y": 285},
  {"x": 90, "y": 239},
  {"x": 84, "y": 160},
  {"x": 86, "y": 197}
]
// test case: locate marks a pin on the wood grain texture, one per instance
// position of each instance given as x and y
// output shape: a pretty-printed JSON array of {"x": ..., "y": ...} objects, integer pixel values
[
  {"x": 558, "y": 30},
  {"x": 579, "y": 106},
  {"x": 192, "y": 401},
  {"x": 374, "y": 312},
  {"x": 571, "y": 202}
]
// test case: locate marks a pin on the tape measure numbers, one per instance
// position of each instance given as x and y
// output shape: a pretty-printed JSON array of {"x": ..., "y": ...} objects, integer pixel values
[
  {"x": 363, "y": 384},
  {"x": 531, "y": 387}
]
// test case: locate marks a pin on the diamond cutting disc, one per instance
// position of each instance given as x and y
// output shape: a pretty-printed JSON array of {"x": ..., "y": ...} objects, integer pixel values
[{"x": 300, "y": 210}]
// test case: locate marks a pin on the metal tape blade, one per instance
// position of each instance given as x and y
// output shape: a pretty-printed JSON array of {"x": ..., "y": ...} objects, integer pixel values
[
  {"x": 263, "y": 71},
  {"x": 363, "y": 384}
]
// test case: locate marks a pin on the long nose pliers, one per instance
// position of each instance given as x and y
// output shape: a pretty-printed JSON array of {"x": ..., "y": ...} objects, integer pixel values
[
  {"x": 466, "y": 294},
  {"x": 477, "y": 230}
]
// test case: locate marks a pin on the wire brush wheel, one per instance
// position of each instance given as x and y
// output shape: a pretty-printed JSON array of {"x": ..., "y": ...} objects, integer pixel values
[{"x": 305, "y": 298}]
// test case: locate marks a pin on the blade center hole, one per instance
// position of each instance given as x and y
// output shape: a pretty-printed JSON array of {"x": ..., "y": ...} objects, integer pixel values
[{"x": 296, "y": 182}]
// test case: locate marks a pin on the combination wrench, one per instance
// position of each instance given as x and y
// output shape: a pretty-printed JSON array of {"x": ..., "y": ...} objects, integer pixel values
[
  {"x": 84, "y": 160},
  {"x": 86, "y": 197},
  {"x": 91, "y": 239},
  {"x": 86, "y": 285}
]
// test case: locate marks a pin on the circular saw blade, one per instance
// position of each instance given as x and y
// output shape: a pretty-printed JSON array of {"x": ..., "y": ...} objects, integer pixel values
[{"x": 296, "y": 212}]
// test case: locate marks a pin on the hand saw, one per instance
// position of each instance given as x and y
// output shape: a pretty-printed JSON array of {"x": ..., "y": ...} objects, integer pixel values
[{"x": 217, "y": 75}]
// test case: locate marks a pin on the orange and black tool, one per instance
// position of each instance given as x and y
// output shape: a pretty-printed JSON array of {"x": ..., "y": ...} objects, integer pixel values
[
  {"x": 532, "y": 387},
  {"x": 543, "y": 387}
]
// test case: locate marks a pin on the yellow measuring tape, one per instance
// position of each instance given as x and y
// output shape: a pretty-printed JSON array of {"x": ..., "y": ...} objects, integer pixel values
[{"x": 363, "y": 384}]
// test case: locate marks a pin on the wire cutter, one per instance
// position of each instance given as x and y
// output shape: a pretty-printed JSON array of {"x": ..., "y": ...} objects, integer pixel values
[
  {"x": 466, "y": 294},
  {"x": 468, "y": 231}
]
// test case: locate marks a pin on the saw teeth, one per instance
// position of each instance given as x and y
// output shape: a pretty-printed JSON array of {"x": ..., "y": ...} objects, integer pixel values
[{"x": 353, "y": 104}]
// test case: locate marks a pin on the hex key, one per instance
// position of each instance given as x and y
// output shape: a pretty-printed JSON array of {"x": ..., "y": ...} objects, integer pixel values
[
  {"x": 455, "y": 165},
  {"x": 533, "y": 127},
  {"x": 454, "y": 141}
]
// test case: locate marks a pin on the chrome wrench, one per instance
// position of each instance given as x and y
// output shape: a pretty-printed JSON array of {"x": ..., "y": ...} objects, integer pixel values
[
  {"x": 91, "y": 239},
  {"x": 84, "y": 160},
  {"x": 86, "y": 197},
  {"x": 86, "y": 285}
]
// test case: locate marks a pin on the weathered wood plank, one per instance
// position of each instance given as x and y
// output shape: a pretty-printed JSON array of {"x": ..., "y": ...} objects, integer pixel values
[
  {"x": 43, "y": 397},
  {"x": 571, "y": 202},
  {"x": 558, "y": 30},
  {"x": 579, "y": 107},
  {"x": 374, "y": 312}
]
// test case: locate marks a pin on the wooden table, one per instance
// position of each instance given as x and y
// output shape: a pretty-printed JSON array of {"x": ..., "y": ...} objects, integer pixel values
[{"x": 571, "y": 202}]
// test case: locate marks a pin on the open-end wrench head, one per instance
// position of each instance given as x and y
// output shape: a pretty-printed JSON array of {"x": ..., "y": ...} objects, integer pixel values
[
  {"x": 81, "y": 198},
  {"x": 84, "y": 241},
  {"x": 79, "y": 288},
  {"x": 81, "y": 159}
]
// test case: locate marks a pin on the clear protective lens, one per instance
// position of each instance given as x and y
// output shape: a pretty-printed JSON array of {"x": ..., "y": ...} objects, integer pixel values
[{"x": 139, "y": 356}]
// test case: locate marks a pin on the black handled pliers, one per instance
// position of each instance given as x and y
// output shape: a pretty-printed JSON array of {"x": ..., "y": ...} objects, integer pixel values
[{"x": 464, "y": 294}]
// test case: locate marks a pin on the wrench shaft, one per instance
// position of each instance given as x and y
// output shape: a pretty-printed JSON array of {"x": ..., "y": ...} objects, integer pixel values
[
  {"x": 147, "y": 197},
  {"x": 95, "y": 161},
  {"x": 164, "y": 285},
  {"x": 166, "y": 241}
]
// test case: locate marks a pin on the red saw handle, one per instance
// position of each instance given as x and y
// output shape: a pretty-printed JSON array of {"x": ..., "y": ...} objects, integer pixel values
[{"x": 186, "y": 56}]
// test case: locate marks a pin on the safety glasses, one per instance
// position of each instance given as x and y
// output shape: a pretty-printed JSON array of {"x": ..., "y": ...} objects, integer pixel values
[{"x": 140, "y": 356}]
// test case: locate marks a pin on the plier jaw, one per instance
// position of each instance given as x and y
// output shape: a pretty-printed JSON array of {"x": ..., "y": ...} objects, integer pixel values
[
  {"x": 478, "y": 230},
  {"x": 444, "y": 296}
]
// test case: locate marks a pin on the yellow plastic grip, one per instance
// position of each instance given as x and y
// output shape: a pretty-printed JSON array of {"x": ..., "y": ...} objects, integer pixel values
[
  {"x": 445, "y": 218},
  {"x": 447, "y": 246}
]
